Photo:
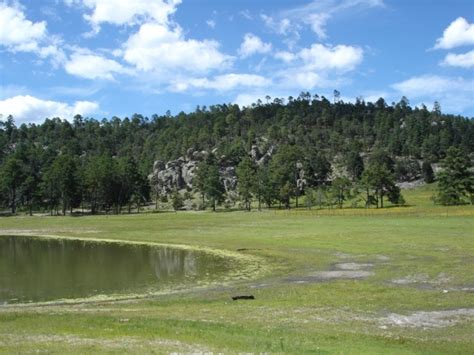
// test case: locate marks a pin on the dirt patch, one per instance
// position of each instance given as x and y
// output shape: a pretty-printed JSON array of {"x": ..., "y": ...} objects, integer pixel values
[
  {"x": 431, "y": 319},
  {"x": 341, "y": 255},
  {"x": 353, "y": 266},
  {"x": 422, "y": 280},
  {"x": 122, "y": 343},
  {"x": 382, "y": 258},
  {"x": 321, "y": 276},
  {"x": 35, "y": 232}
]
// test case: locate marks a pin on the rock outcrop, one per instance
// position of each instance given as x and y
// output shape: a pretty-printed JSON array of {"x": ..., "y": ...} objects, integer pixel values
[{"x": 179, "y": 174}]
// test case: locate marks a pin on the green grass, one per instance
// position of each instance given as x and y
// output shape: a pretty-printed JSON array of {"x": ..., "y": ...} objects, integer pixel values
[{"x": 339, "y": 316}]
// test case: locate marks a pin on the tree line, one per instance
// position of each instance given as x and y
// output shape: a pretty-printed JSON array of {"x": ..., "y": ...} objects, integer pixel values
[{"x": 102, "y": 165}]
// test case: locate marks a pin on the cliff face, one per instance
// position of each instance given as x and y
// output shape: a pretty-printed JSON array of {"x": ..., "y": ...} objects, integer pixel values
[{"x": 179, "y": 174}]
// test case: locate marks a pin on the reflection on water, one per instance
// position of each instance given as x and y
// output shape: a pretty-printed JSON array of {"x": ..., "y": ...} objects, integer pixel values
[{"x": 35, "y": 269}]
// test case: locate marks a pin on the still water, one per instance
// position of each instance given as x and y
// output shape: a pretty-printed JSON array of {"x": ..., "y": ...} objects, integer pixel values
[{"x": 39, "y": 269}]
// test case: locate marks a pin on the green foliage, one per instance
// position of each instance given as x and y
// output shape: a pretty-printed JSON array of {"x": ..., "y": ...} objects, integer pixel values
[
  {"x": 407, "y": 169},
  {"x": 340, "y": 190},
  {"x": 284, "y": 172},
  {"x": 208, "y": 181},
  {"x": 12, "y": 175},
  {"x": 455, "y": 181},
  {"x": 378, "y": 182},
  {"x": 109, "y": 153},
  {"x": 247, "y": 180},
  {"x": 427, "y": 172},
  {"x": 354, "y": 164},
  {"x": 177, "y": 201},
  {"x": 317, "y": 168}
]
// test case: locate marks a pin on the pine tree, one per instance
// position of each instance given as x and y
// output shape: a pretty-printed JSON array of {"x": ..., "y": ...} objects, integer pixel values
[
  {"x": 455, "y": 181},
  {"x": 246, "y": 181}
]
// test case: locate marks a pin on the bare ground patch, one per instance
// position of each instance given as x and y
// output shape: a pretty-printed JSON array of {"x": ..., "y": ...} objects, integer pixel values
[
  {"x": 429, "y": 319},
  {"x": 122, "y": 343},
  {"x": 353, "y": 266},
  {"x": 321, "y": 276}
]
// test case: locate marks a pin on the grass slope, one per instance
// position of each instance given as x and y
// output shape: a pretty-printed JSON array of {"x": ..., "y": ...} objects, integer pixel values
[{"x": 422, "y": 259}]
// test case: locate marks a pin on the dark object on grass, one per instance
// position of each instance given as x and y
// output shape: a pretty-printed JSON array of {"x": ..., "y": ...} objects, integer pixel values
[{"x": 235, "y": 298}]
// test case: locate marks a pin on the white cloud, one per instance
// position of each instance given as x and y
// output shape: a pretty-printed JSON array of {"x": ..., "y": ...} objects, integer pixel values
[
  {"x": 157, "y": 47},
  {"x": 91, "y": 66},
  {"x": 253, "y": 44},
  {"x": 246, "y": 14},
  {"x": 317, "y": 13},
  {"x": 458, "y": 33},
  {"x": 282, "y": 26},
  {"x": 126, "y": 12},
  {"x": 297, "y": 79},
  {"x": 419, "y": 86},
  {"x": 224, "y": 82},
  {"x": 32, "y": 109},
  {"x": 341, "y": 57},
  {"x": 465, "y": 60},
  {"x": 18, "y": 34},
  {"x": 454, "y": 94},
  {"x": 285, "y": 56},
  {"x": 324, "y": 57},
  {"x": 211, "y": 23},
  {"x": 318, "y": 23}
]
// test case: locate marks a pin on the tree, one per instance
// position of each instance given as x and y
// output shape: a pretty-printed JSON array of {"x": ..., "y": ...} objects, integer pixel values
[
  {"x": 246, "y": 180},
  {"x": 340, "y": 190},
  {"x": 11, "y": 177},
  {"x": 177, "y": 200},
  {"x": 30, "y": 189},
  {"x": 310, "y": 198},
  {"x": 381, "y": 181},
  {"x": 264, "y": 187},
  {"x": 63, "y": 183},
  {"x": 455, "y": 181},
  {"x": 285, "y": 173},
  {"x": 354, "y": 164},
  {"x": 209, "y": 181},
  {"x": 317, "y": 168},
  {"x": 427, "y": 171}
]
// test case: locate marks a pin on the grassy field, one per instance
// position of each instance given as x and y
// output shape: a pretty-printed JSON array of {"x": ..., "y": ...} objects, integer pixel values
[{"x": 397, "y": 280}]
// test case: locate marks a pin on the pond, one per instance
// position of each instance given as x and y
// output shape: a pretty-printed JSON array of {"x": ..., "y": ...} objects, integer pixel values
[{"x": 34, "y": 269}]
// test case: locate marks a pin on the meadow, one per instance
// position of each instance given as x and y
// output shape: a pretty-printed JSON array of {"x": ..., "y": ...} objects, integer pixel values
[{"x": 393, "y": 280}]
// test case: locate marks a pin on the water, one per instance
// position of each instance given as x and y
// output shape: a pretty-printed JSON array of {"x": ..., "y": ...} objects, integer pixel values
[{"x": 38, "y": 269}]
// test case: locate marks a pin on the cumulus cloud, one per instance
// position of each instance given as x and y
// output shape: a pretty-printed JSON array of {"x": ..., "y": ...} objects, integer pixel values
[
  {"x": 465, "y": 60},
  {"x": 18, "y": 34},
  {"x": 458, "y": 33},
  {"x": 252, "y": 44},
  {"x": 432, "y": 84},
  {"x": 224, "y": 82},
  {"x": 91, "y": 66},
  {"x": 129, "y": 12},
  {"x": 454, "y": 93},
  {"x": 324, "y": 57},
  {"x": 285, "y": 56},
  {"x": 32, "y": 109},
  {"x": 340, "y": 57},
  {"x": 157, "y": 47}
]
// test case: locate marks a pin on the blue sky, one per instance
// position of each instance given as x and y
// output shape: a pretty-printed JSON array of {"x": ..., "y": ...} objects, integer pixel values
[{"x": 104, "y": 58}]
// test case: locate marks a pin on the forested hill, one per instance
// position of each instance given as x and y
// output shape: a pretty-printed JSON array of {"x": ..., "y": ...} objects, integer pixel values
[
  {"x": 35, "y": 155},
  {"x": 310, "y": 122}
]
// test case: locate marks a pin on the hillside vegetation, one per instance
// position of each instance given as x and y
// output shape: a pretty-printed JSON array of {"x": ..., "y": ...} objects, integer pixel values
[{"x": 309, "y": 142}]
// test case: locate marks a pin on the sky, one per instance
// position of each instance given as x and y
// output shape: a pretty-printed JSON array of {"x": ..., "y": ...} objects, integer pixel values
[{"x": 105, "y": 58}]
